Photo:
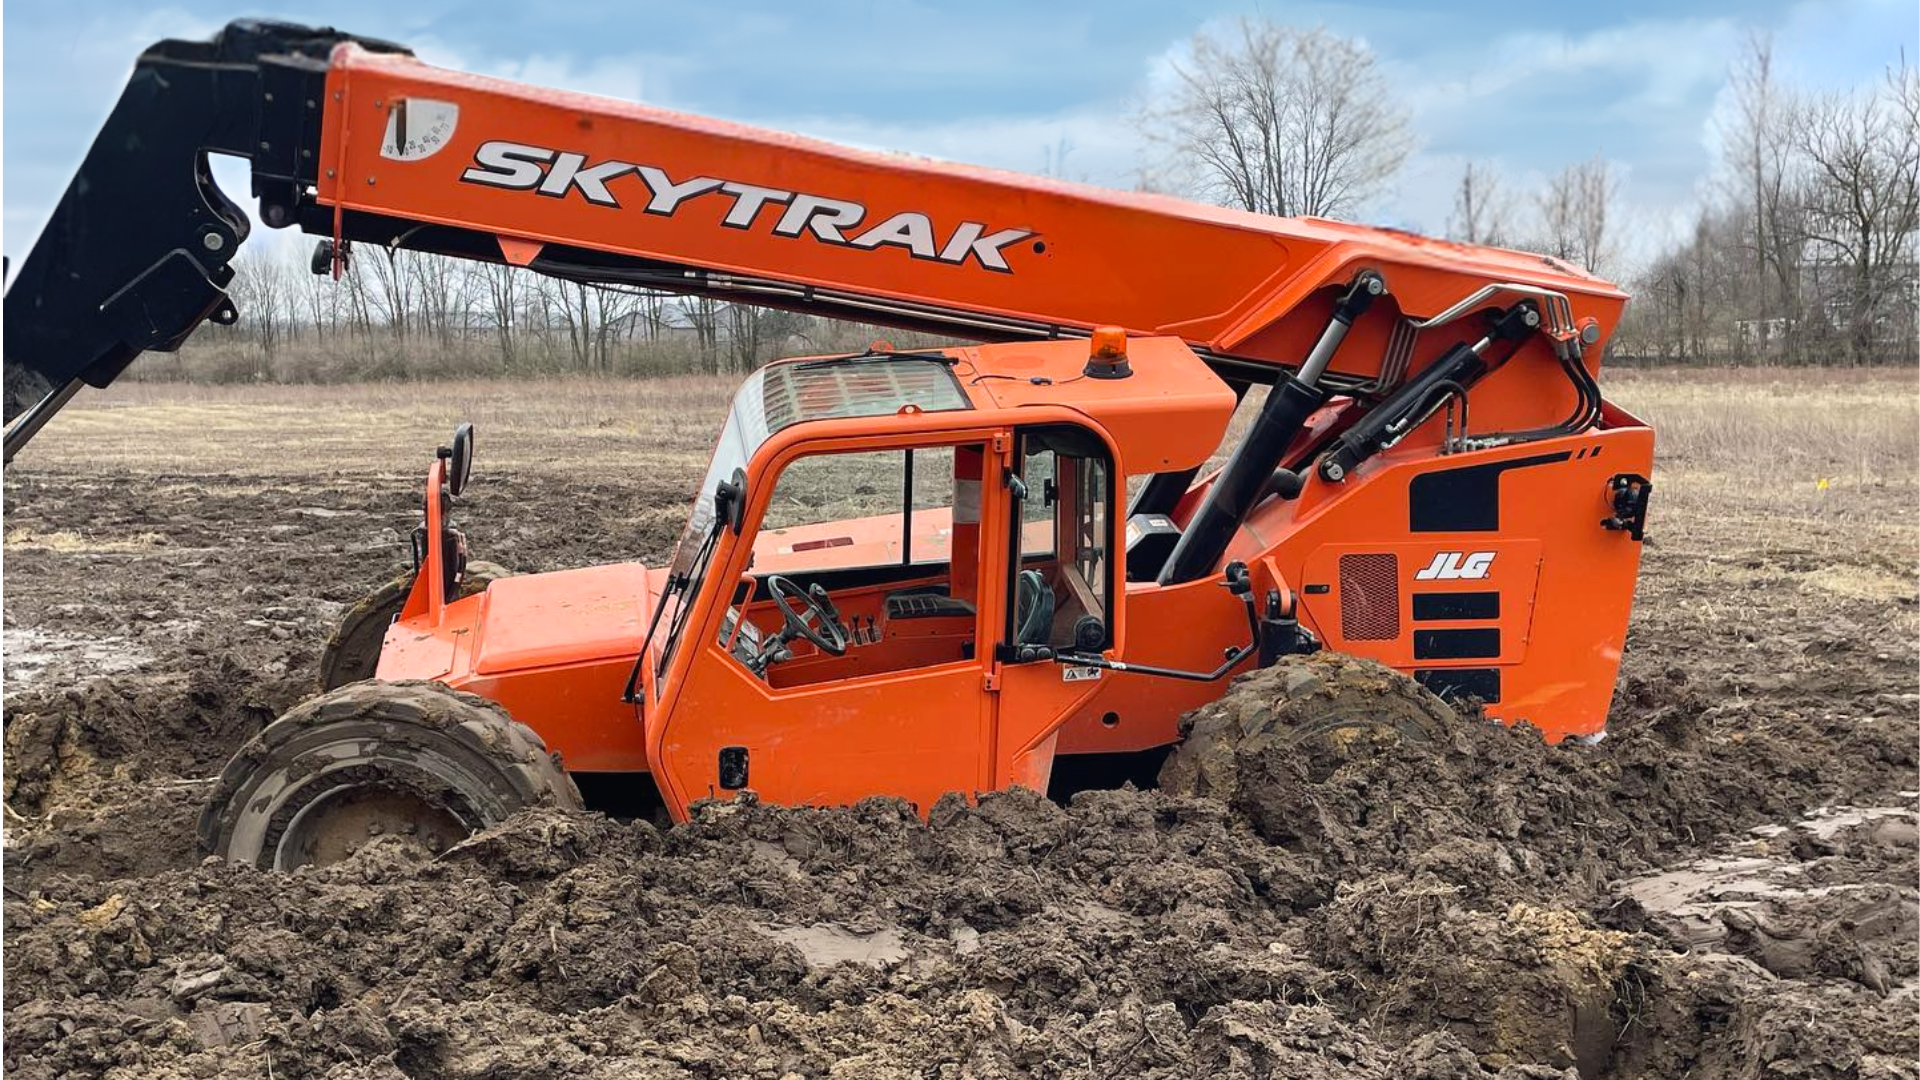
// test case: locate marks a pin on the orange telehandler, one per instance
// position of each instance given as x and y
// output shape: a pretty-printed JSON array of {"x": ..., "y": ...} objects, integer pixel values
[{"x": 905, "y": 572}]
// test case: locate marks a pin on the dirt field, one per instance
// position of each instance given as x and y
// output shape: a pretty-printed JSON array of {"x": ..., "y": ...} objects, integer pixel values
[{"x": 1725, "y": 887}]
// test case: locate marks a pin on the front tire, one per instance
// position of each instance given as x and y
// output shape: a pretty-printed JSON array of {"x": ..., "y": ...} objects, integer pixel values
[{"x": 410, "y": 759}]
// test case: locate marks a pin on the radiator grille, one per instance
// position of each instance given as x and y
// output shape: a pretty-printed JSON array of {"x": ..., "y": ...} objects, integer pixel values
[{"x": 1370, "y": 597}]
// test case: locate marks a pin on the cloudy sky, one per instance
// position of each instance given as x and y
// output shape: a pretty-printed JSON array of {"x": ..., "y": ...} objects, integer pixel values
[{"x": 1012, "y": 83}]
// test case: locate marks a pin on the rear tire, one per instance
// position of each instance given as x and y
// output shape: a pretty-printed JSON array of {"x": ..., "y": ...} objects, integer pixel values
[
  {"x": 1266, "y": 744},
  {"x": 414, "y": 759},
  {"x": 353, "y": 652}
]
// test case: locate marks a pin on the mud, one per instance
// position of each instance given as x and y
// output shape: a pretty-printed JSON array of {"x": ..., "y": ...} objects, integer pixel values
[
  {"x": 1833, "y": 896},
  {"x": 1724, "y": 887}
]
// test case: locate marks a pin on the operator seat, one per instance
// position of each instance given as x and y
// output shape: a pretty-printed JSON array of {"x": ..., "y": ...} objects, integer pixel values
[{"x": 1033, "y": 609}]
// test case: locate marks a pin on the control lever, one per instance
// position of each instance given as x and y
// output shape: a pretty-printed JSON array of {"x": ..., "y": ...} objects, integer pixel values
[{"x": 818, "y": 593}]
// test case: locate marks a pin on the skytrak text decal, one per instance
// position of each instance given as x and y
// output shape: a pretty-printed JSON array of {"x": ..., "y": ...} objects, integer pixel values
[{"x": 560, "y": 173}]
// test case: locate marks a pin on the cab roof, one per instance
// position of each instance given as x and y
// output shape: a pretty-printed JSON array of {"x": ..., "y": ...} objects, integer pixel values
[{"x": 1170, "y": 413}]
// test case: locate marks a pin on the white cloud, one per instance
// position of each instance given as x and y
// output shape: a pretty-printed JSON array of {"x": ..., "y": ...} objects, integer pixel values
[
  {"x": 1101, "y": 148},
  {"x": 1669, "y": 57},
  {"x": 628, "y": 77}
]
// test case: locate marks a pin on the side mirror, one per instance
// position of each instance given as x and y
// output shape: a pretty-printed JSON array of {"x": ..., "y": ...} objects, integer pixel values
[
  {"x": 730, "y": 501},
  {"x": 460, "y": 462}
]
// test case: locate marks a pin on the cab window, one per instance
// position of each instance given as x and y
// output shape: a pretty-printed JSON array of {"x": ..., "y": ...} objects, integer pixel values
[
  {"x": 864, "y": 509},
  {"x": 886, "y": 541},
  {"x": 1062, "y": 589}
]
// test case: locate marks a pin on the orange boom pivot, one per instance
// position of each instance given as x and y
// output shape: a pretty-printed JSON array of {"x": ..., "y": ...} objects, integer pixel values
[{"x": 930, "y": 571}]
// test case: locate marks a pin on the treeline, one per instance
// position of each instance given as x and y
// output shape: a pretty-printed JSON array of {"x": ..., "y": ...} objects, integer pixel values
[
  {"x": 1808, "y": 256},
  {"x": 404, "y": 315},
  {"x": 1803, "y": 253}
]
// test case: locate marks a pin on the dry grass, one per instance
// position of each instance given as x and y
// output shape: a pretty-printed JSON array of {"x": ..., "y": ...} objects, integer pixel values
[
  {"x": 555, "y": 425},
  {"x": 1809, "y": 462},
  {"x": 1786, "y": 427},
  {"x": 66, "y": 541},
  {"x": 1746, "y": 441},
  {"x": 1805, "y": 483}
]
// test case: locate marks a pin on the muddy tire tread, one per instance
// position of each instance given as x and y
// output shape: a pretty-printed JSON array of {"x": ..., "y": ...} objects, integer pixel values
[
  {"x": 516, "y": 752},
  {"x": 375, "y": 610},
  {"x": 1301, "y": 706}
]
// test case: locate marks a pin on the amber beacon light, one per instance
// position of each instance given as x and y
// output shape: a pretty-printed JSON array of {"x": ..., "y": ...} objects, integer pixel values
[{"x": 1107, "y": 354}]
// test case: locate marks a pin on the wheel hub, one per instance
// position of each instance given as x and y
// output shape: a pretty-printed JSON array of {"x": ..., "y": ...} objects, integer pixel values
[{"x": 343, "y": 820}]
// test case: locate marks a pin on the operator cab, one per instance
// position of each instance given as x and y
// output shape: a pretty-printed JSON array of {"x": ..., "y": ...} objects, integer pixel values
[
  {"x": 882, "y": 537},
  {"x": 865, "y": 559}
]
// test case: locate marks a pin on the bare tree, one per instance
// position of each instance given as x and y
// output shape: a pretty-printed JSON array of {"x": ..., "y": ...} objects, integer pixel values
[
  {"x": 1577, "y": 211},
  {"x": 443, "y": 299},
  {"x": 703, "y": 312},
  {"x": 567, "y": 302},
  {"x": 613, "y": 311},
  {"x": 1053, "y": 159},
  {"x": 322, "y": 300},
  {"x": 754, "y": 332},
  {"x": 592, "y": 318},
  {"x": 1482, "y": 208},
  {"x": 392, "y": 294},
  {"x": 1864, "y": 149},
  {"x": 501, "y": 287},
  {"x": 1760, "y": 152},
  {"x": 260, "y": 296},
  {"x": 1280, "y": 120},
  {"x": 651, "y": 310}
]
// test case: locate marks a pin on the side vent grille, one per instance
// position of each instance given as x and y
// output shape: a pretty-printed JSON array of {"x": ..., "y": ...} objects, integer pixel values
[{"x": 1370, "y": 597}]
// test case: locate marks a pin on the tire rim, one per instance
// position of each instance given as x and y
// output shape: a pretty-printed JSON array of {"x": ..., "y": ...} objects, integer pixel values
[{"x": 347, "y": 817}]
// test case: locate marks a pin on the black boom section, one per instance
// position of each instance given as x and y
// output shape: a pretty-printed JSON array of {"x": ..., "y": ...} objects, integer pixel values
[{"x": 137, "y": 253}]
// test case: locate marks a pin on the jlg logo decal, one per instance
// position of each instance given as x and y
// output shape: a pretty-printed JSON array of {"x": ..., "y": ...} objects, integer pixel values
[
  {"x": 1457, "y": 566},
  {"x": 557, "y": 174}
]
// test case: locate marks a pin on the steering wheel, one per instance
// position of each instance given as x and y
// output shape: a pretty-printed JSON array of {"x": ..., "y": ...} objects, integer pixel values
[{"x": 814, "y": 608}]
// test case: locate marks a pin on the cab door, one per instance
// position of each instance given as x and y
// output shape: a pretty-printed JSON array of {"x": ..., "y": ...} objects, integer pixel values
[
  {"x": 890, "y": 529},
  {"x": 1059, "y": 582}
]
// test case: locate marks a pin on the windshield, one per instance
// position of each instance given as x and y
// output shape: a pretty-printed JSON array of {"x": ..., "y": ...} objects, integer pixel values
[{"x": 776, "y": 397}]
